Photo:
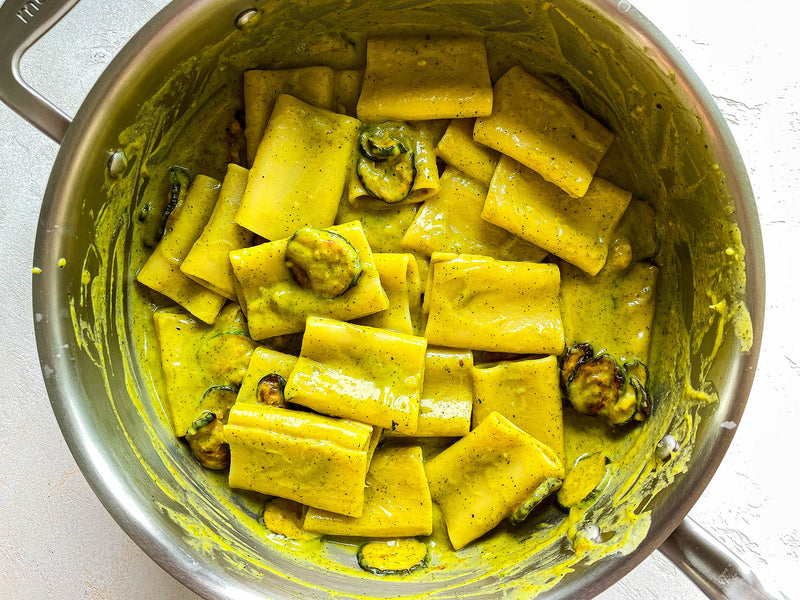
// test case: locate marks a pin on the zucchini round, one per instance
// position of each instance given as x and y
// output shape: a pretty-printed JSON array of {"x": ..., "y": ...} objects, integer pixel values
[
  {"x": 584, "y": 481},
  {"x": 547, "y": 487},
  {"x": 285, "y": 517},
  {"x": 593, "y": 386},
  {"x": 596, "y": 385},
  {"x": 385, "y": 140},
  {"x": 322, "y": 261},
  {"x": 269, "y": 390},
  {"x": 205, "y": 438},
  {"x": 218, "y": 400},
  {"x": 393, "y": 557},
  {"x": 386, "y": 165}
]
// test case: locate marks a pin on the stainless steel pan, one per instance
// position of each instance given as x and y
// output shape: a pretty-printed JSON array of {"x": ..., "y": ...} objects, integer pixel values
[{"x": 103, "y": 426}]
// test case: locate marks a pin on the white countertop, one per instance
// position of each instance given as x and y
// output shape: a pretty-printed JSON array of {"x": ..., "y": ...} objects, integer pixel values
[{"x": 56, "y": 539}]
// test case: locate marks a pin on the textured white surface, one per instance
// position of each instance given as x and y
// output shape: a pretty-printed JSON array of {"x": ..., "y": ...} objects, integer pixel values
[{"x": 56, "y": 539}]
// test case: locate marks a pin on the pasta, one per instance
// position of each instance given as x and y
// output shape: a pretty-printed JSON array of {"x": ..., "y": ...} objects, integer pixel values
[
  {"x": 533, "y": 124},
  {"x": 483, "y": 477},
  {"x": 522, "y": 202},
  {"x": 501, "y": 306},
  {"x": 451, "y": 221},
  {"x": 207, "y": 262},
  {"x": 315, "y": 460},
  {"x": 393, "y": 318},
  {"x": 397, "y": 500},
  {"x": 299, "y": 171},
  {"x": 162, "y": 271},
  {"x": 425, "y": 78},
  {"x": 400, "y": 280},
  {"x": 314, "y": 85},
  {"x": 363, "y": 373},
  {"x": 527, "y": 393},
  {"x": 459, "y": 149}
]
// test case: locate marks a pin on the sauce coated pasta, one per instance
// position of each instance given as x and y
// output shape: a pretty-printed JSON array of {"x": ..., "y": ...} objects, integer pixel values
[{"x": 380, "y": 319}]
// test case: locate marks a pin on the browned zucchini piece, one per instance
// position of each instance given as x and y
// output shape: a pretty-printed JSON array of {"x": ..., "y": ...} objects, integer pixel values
[
  {"x": 547, "y": 487},
  {"x": 218, "y": 400},
  {"x": 205, "y": 438},
  {"x": 393, "y": 557},
  {"x": 596, "y": 385},
  {"x": 285, "y": 517},
  {"x": 270, "y": 390},
  {"x": 386, "y": 162},
  {"x": 322, "y": 261},
  {"x": 584, "y": 481},
  {"x": 593, "y": 386}
]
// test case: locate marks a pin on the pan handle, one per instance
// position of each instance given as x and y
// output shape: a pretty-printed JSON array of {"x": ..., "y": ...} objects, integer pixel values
[
  {"x": 22, "y": 22},
  {"x": 719, "y": 573}
]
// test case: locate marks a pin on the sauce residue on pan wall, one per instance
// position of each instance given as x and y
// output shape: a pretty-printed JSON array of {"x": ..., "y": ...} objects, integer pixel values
[{"x": 699, "y": 306}]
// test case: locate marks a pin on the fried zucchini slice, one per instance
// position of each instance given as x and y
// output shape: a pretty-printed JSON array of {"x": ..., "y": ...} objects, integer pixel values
[
  {"x": 322, "y": 261},
  {"x": 596, "y": 385},
  {"x": 393, "y": 557},
  {"x": 584, "y": 481},
  {"x": 386, "y": 163},
  {"x": 285, "y": 517},
  {"x": 593, "y": 386},
  {"x": 205, "y": 438},
  {"x": 547, "y": 487},
  {"x": 270, "y": 391}
]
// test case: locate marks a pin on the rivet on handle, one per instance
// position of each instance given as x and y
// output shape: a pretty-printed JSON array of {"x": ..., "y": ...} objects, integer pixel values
[
  {"x": 666, "y": 447},
  {"x": 246, "y": 18},
  {"x": 117, "y": 163}
]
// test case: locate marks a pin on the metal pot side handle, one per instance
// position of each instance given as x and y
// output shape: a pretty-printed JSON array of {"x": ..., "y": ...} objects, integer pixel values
[
  {"x": 719, "y": 573},
  {"x": 22, "y": 22}
]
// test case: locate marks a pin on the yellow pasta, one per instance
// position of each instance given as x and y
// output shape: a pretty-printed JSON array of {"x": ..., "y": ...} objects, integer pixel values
[
  {"x": 493, "y": 305},
  {"x": 346, "y": 90},
  {"x": 527, "y": 393},
  {"x": 384, "y": 228},
  {"x": 207, "y": 262},
  {"x": 361, "y": 373},
  {"x": 276, "y": 305},
  {"x": 458, "y": 149},
  {"x": 314, "y": 85},
  {"x": 418, "y": 78},
  {"x": 397, "y": 501},
  {"x": 400, "y": 280},
  {"x": 578, "y": 231},
  {"x": 451, "y": 222},
  {"x": 582, "y": 299},
  {"x": 162, "y": 271},
  {"x": 445, "y": 407},
  {"x": 312, "y": 459},
  {"x": 300, "y": 170},
  {"x": 535, "y": 125},
  {"x": 481, "y": 479}
]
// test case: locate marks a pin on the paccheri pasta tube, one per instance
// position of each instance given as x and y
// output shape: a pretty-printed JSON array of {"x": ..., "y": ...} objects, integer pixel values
[
  {"x": 363, "y": 373},
  {"x": 299, "y": 171}
]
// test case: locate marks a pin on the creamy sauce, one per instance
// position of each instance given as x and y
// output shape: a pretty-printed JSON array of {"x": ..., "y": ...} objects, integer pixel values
[{"x": 653, "y": 134}]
